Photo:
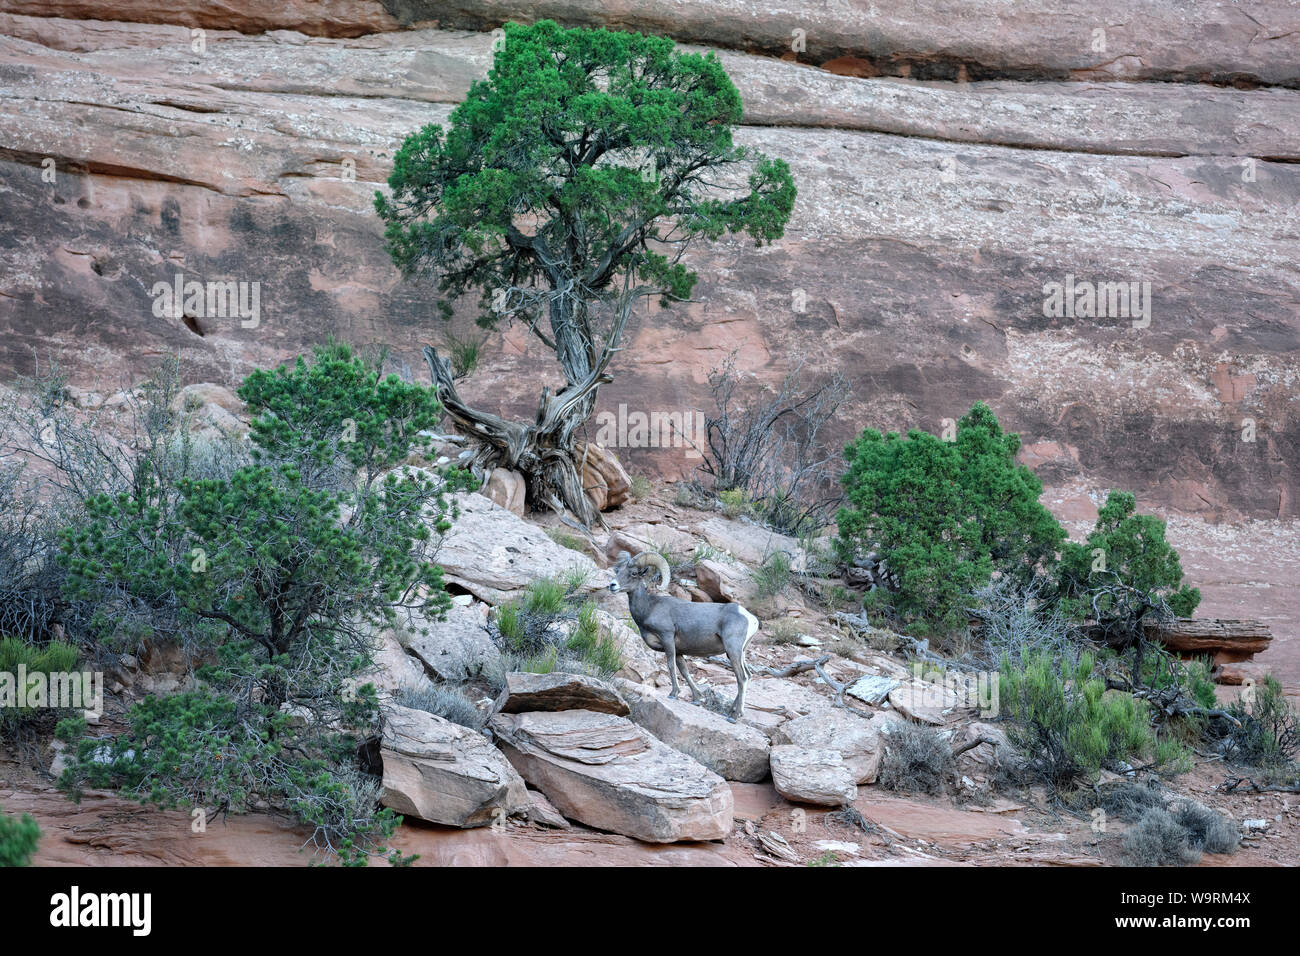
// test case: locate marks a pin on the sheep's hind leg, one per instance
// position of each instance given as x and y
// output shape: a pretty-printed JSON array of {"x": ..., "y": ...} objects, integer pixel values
[{"x": 736, "y": 654}]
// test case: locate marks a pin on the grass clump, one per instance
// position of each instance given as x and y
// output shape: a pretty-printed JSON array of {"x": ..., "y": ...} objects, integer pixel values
[
  {"x": 566, "y": 540},
  {"x": 552, "y": 628},
  {"x": 1157, "y": 839},
  {"x": 55, "y": 657},
  {"x": 640, "y": 487},
  {"x": 1269, "y": 736},
  {"x": 735, "y": 502},
  {"x": 448, "y": 702},
  {"x": 773, "y": 575},
  {"x": 917, "y": 759}
]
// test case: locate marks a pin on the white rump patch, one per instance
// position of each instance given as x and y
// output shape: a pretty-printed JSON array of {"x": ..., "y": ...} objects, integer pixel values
[{"x": 753, "y": 623}]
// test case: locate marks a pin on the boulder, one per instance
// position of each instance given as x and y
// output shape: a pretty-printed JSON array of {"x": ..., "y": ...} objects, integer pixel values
[
  {"x": 751, "y": 543},
  {"x": 771, "y": 701},
  {"x": 856, "y": 739},
  {"x": 873, "y": 688},
  {"x": 605, "y": 771},
  {"x": 543, "y": 814},
  {"x": 441, "y": 772},
  {"x": 506, "y": 488},
  {"x": 647, "y": 536},
  {"x": 928, "y": 703},
  {"x": 525, "y": 692},
  {"x": 604, "y": 480},
  {"x": 723, "y": 581},
  {"x": 455, "y": 649},
  {"x": 394, "y": 669},
  {"x": 493, "y": 553},
  {"x": 812, "y": 776},
  {"x": 734, "y": 751}
]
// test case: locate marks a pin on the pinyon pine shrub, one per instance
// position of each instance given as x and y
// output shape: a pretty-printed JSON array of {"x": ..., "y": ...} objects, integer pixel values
[
  {"x": 1125, "y": 573},
  {"x": 18, "y": 839},
  {"x": 278, "y": 576},
  {"x": 946, "y": 515},
  {"x": 1067, "y": 725}
]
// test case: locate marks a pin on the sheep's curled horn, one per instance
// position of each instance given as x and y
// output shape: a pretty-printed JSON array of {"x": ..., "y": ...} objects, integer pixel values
[{"x": 648, "y": 559}]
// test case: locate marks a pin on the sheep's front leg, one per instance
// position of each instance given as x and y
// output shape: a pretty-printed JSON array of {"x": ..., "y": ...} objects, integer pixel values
[
  {"x": 670, "y": 649},
  {"x": 681, "y": 666}
]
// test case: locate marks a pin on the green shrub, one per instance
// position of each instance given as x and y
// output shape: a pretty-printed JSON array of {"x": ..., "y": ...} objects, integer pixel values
[
  {"x": 551, "y": 628},
  {"x": 1125, "y": 572},
  {"x": 1269, "y": 735},
  {"x": 465, "y": 352},
  {"x": 773, "y": 575},
  {"x": 54, "y": 658},
  {"x": 280, "y": 573},
  {"x": 735, "y": 502},
  {"x": 640, "y": 487},
  {"x": 946, "y": 515},
  {"x": 18, "y": 839},
  {"x": 1066, "y": 723}
]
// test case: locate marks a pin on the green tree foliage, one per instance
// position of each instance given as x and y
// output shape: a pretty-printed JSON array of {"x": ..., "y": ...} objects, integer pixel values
[
  {"x": 565, "y": 187},
  {"x": 277, "y": 576},
  {"x": 18, "y": 839},
  {"x": 946, "y": 515},
  {"x": 564, "y": 169},
  {"x": 1125, "y": 571}
]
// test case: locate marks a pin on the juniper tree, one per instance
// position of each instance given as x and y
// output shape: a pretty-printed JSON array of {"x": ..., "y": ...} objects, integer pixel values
[
  {"x": 565, "y": 188},
  {"x": 1125, "y": 574},
  {"x": 946, "y": 515}
]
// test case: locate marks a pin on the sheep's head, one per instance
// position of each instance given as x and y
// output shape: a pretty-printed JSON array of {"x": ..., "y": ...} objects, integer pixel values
[{"x": 628, "y": 571}]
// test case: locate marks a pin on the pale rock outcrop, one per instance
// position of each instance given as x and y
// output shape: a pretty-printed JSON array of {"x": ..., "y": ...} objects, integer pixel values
[
  {"x": 929, "y": 703},
  {"x": 394, "y": 670},
  {"x": 506, "y": 488},
  {"x": 606, "y": 772},
  {"x": 649, "y": 536},
  {"x": 873, "y": 688},
  {"x": 751, "y": 543},
  {"x": 454, "y": 649},
  {"x": 526, "y": 692},
  {"x": 771, "y": 701},
  {"x": 807, "y": 775},
  {"x": 856, "y": 739},
  {"x": 493, "y": 553},
  {"x": 734, "y": 751},
  {"x": 725, "y": 581},
  {"x": 543, "y": 814},
  {"x": 441, "y": 772}
]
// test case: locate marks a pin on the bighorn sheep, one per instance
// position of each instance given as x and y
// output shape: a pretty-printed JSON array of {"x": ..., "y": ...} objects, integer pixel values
[{"x": 680, "y": 628}]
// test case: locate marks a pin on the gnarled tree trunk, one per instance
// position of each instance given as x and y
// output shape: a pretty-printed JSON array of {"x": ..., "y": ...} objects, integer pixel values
[{"x": 543, "y": 451}]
